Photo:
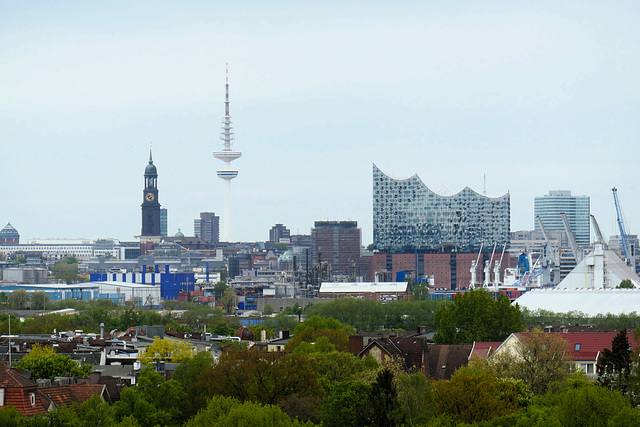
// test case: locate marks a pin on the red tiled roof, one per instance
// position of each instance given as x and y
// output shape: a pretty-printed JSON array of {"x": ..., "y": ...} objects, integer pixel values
[
  {"x": 483, "y": 349},
  {"x": 19, "y": 391},
  {"x": 590, "y": 345},
  {"x": 66, "y": 395}
]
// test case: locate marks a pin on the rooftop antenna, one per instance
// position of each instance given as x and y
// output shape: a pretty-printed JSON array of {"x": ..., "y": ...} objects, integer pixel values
[{"x": 485, "y": 184}]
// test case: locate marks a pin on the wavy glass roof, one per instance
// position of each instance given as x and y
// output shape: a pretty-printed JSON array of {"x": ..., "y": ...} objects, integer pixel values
[{"x": 407, "y": 215}]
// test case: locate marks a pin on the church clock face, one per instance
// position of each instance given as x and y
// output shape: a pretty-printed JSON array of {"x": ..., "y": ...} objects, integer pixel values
[{"x": 150, "y": 197}]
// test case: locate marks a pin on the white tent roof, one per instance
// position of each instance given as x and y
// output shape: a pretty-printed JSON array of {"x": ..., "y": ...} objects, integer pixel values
[
  {"x": 361, "y": 287},
  {"x": 588, "y": 301}
]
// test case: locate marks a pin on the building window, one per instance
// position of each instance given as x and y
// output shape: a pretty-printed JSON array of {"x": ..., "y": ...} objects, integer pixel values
[
  {"x": 590, "y": 368},
  {"x": 33, "y": 398},
  {"x": 577, "y": 348}
]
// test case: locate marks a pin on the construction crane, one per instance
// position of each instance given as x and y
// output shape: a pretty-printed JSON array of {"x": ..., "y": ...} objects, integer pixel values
[
  {"x": 577, "y": 252},
  {"x": 599, "y": 237},
  {"x": 473, "y": 269},
  {"x": 623, "y": 231},
  {"x": 487, "y": 268},
  {"x": 549, "y": 262},
  {"x": 496, "y": 269}
]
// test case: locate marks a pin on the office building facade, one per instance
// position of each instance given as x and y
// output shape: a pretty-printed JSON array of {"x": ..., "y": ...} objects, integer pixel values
[
  {"x": 337, "y": 243},
  {"x": 408, "y": 216},
  {"x": 279, "y": 233},
  {"x": 207, "y": 227},
  {"x": 576, "y": 208}
]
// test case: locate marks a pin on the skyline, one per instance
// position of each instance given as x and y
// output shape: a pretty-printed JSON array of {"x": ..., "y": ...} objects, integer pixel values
[{"x": 319, "y": 92}]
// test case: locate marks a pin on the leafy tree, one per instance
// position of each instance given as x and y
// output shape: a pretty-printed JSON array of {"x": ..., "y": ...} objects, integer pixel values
[
  {"x": 166, "y": 349},
  {"x": 335, "y": 367},
  {"x": 312, "y": 329},
  {"x": 262, "y": 377},
  {"x": 187, "y": 375},
  {"x": 475, "y": 316},
  {"x": 39, "y": 300},
  {"x": 321, "y": 345},
  {"x": 361, "y": 314},
  {"x": 154, "y": 401},
  {"x": 280, "y": 246},
  {"x": 538, "y": 360},
  {"x": 281, "y": 322},
  {"x": 218, "y": 290},
  {"x": 473, "y": 395},
  {"x": 20, "y": 259},
  {"x": 44, "y": 362},
  {"x": 229, "y": 412},
  {"x": 383, "y": 405},
  {"x": 344, "y": 404},
  {"x": 420, "y": 292},
  {"x": 66, "y": 270},
  {"x": 415, "y": 395},
  {"x": 11, "y": 417},
  {"x": 19, "y": 299},
  {"x": 267, "y": 310},
  {"x": 229, "y": 300},
  {"x": 614, "y": 365},
  {"x": 584, "y": 404},
  {"x": 625, "y": 284}
]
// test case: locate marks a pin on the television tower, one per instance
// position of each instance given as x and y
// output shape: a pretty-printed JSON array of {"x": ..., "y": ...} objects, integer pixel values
[{"x": 227, "y": 156}]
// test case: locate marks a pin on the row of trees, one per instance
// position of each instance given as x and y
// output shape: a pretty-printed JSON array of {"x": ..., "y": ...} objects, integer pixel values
[{"x": 255, "y": 388}]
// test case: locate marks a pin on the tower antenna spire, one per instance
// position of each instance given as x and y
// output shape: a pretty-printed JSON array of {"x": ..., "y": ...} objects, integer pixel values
[{"x": 227, "y": 156}]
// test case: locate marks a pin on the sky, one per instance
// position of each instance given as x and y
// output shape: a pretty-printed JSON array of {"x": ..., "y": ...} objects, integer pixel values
[{"x": 526, "y": 96}]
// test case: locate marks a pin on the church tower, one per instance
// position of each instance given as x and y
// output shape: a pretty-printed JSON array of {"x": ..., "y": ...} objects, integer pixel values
[{"x": 150, "y": 204}]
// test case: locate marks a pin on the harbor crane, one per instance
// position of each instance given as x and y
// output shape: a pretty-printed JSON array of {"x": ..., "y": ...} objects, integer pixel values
[
  {"x": 626, "y": 247},
  {"x": 577, "y": 251}
]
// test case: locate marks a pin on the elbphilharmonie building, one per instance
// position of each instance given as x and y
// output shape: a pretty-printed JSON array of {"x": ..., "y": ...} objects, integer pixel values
[{"x": 408, "y": 216}]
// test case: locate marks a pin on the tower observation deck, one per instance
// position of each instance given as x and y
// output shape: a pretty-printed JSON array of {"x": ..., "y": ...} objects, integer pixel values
[{"x": 227, "y": 155}]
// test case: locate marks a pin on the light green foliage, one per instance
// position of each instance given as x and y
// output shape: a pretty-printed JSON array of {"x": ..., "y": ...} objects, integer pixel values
[
  {"x": 322, "y": 345},
  {"x": 11, "y": 417},
  {"x": 67, "y": 270},
  {"x": 313, "y": 329},
  {"x": 589, "y": 405},
  {"x": 369, "y": 315},
  {"x": 415, "y": 396},
  {"x": 229, "y": 412},
  {"x": 475, "y": 316},
  {"x": 229, "y": 300},
  {"x": 93, "y": 412},
  {"x": 267, "y": 310},
  {"x": 154, "y": 401},
  {"x": 473, "y": 395},
  {"x": 335, "y": 367},
  {"x": 538, "y": 360},
  {"x": 166, "y": 349},
  {"x": 44, "y": 362}
]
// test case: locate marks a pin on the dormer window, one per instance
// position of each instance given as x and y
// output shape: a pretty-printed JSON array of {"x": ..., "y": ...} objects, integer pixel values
[
  {"x": 32, "y": 396},
  {"x": 577, "y": 347}
]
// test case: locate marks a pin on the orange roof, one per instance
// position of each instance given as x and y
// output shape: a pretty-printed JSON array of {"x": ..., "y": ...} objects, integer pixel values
[
  {"x": 22, "y": 393},
  {"x": 66, "y": 395}
]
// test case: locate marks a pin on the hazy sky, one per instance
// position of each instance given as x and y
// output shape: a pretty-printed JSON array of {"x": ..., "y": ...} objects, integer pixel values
[{"x": 537, "y": 96}]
